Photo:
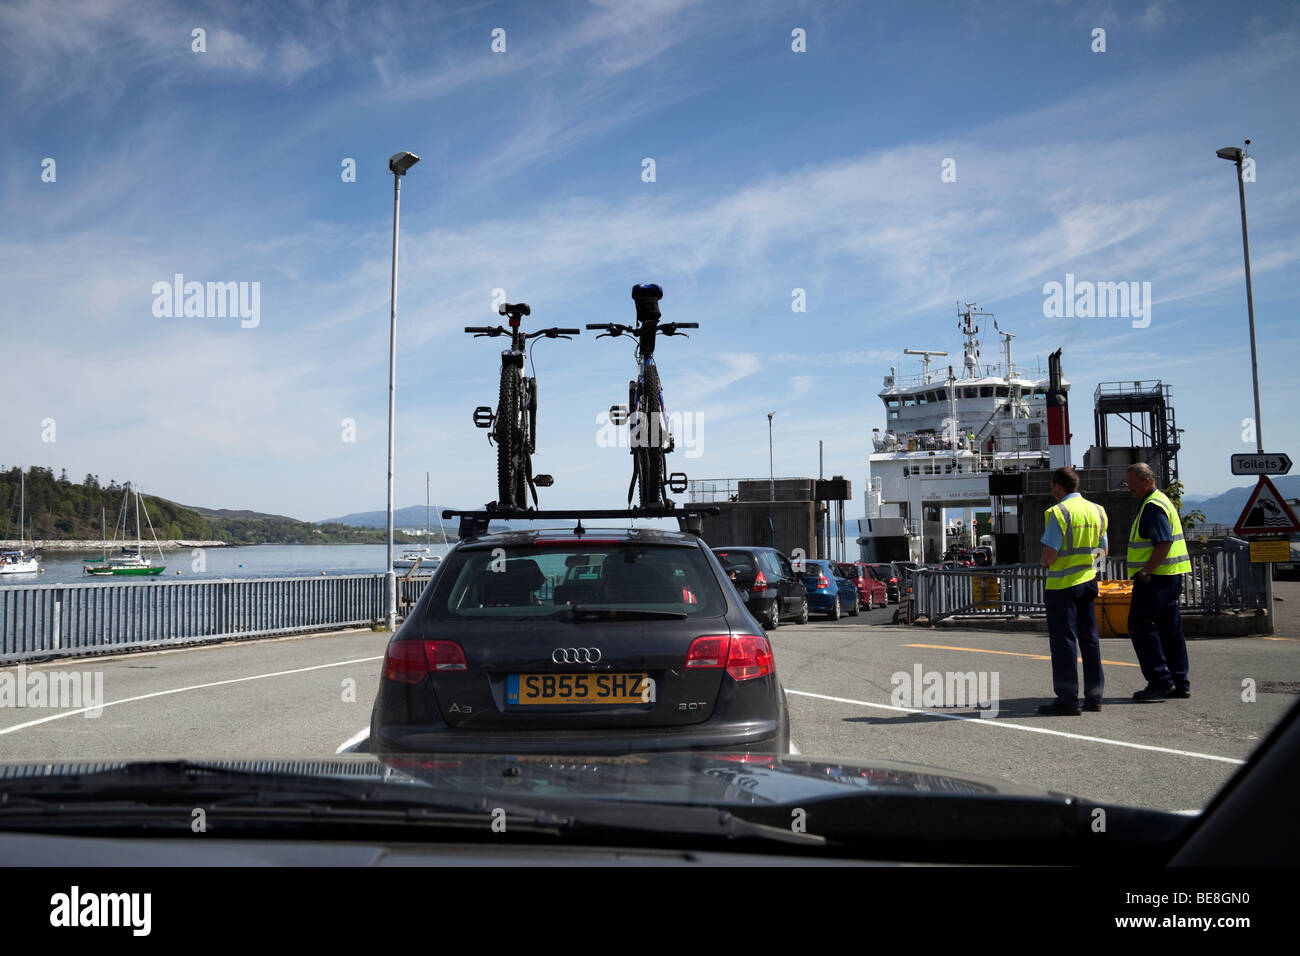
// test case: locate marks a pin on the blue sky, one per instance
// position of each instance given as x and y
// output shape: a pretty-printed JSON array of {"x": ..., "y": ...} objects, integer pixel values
[{"x": 775, "y": 170}]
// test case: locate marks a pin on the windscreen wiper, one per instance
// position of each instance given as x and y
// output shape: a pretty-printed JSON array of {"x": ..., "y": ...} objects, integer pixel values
[{"x": 161, "y": 795}]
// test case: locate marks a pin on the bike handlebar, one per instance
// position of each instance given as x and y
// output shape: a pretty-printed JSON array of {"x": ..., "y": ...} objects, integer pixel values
[{"x": 484, "y": 329}]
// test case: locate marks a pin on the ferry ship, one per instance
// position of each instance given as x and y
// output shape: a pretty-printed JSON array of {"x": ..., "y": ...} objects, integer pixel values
[{"x": 947, "y": 432}]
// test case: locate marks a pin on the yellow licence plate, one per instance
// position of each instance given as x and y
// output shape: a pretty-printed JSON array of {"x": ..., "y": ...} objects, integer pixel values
[{"x": 526, "y": 690}]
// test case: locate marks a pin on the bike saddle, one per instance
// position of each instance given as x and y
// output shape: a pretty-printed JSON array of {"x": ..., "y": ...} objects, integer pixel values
[
  {"x": 646, "y": 295},
  {"x": 515, "y": 310}
]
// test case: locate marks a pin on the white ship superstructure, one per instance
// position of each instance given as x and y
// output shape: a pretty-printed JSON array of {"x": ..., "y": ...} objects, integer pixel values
[{"x": 946, "y": 431}]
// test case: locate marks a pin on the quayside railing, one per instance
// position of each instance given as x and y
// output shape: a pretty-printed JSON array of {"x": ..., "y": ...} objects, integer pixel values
[
  {"x": 1222, "y": 579},
  {"x": 57, "y": 620}
]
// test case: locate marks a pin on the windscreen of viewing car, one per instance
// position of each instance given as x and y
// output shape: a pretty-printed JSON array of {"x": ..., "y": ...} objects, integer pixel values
[{"x": 543, "y": 581}]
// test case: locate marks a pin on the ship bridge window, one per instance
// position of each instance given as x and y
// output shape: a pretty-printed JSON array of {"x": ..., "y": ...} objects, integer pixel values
[
  {"x": 1040, "y": 393},
  {"x": 966, "y": 393},
  {"x": 893, "y": 415},
  {"x": 891, "y": 403},
  {"x": 1003, "y": 391},
  {"x": 909, "y": 401},
  {"x": 921, "y": 399},
  {"x": 939, "y": 396},
  {"x": 907, "y": 472},
  {"x": 986, "y": 391}
]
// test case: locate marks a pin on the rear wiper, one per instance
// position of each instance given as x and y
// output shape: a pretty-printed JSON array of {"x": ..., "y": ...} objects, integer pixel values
[{"x": 625, "y": 614}]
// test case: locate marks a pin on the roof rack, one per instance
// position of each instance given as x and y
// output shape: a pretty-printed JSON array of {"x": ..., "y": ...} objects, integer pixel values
[{"x": 474, "y": 524}]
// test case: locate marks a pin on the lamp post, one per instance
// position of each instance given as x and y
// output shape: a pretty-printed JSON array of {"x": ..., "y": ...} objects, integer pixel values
[
  {"x": 398, "y": 164},
  {"x": 1236, "y": 154},
  {"x": 771, "y": 473}
]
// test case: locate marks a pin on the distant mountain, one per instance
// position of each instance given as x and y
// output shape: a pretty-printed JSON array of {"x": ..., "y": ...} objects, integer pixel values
[
  {"x": 412, "y": 517},
  {"x": 1226, "y": 508},
  {"x": 244, "y": 515}
]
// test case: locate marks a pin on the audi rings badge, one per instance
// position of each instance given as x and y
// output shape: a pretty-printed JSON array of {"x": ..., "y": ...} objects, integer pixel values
[{"x": 576, "y": 655}]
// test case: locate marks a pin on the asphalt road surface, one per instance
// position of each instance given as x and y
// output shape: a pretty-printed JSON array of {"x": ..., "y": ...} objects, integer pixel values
[{"x": 853, "y": 687}]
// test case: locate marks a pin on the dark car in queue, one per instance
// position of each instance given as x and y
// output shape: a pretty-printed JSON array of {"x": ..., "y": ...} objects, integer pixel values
[
  {"x": 872, "y": 591},
  {"x": 829, "y": 592},
  {"x": 903, "y": 570},
  {"x": 885, "y": 573},
  {"x": 612, "y": 642},
  {"x": 776, "y": 593}
]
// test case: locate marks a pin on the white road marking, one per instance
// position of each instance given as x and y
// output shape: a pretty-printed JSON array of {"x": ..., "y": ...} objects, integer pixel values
[
  {"x": 355, "y": 739},
  {"x": 182, "y": 690},
  {"x": 1024, "y": 727}
]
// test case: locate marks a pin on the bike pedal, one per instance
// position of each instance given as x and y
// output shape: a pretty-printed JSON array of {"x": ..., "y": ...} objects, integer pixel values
[
  {"x": 484, "y": 417},
  {"x": 617, "y": 414},
  {"x": 677, "y": 482},
  {"x": 543, "y": 481}
]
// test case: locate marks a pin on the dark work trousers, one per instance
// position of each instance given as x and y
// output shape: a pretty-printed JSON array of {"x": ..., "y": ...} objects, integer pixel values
[
  {"x": 1072, "y": 632},
  {"x": 1156, "y": 628}
]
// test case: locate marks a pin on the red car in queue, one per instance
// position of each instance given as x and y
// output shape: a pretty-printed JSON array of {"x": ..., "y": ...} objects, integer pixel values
[{"x": 872, "y": 591}]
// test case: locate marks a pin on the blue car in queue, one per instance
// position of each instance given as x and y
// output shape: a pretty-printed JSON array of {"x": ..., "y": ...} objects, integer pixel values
[
  {"x": 609, "y": 642},
  {"x": 829, "y": 592}
]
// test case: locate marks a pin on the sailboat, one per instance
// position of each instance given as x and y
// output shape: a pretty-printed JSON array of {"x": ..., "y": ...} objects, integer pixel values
[
  {"x": 20, "y": 561},
  {"x": 129, "y": 561},
  {"x": 426, "y": 557}
]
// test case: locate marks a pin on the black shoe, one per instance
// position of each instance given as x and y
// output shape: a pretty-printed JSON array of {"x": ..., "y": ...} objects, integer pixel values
[
  {"x": 1092, "y": 704},
  {"x": 1155, "y": 692},
  {"x": 1180, "y": 693},
  {"x": 1060, "y": 708}
]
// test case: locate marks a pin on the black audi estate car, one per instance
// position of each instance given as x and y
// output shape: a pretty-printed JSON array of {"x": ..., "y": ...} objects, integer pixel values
[{"x": 604, "y": 642}]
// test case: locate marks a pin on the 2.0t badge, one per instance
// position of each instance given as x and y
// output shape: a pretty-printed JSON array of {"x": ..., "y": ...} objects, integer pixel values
[{"x": 576, "y": 655}]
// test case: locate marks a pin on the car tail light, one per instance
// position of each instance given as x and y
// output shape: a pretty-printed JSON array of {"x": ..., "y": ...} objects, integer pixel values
[
  {"x": 750, "y": 656},
  {"x": 822, "y": 583},
  {"x": 760, "y": 583},
  {"x": 708, "y": 651},
  {"x": 445, "y": 656},
  {"x": 893, "y": 580},
  {"x": 405, "y": 661},
  {"x": 409, "y": 661}
]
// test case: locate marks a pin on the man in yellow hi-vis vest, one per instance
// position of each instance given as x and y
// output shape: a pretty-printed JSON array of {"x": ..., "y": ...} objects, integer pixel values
[
  {"x": 1075, "y": 534},
  {"x": 1157, "y": 561}
]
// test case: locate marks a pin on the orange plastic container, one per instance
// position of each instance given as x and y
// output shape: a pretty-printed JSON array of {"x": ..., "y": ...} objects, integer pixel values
[{"x": 1113, "y": 600}]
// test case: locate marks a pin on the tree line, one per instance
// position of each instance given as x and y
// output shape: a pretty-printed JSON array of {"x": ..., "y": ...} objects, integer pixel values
[{"x": 58, "y": 509}]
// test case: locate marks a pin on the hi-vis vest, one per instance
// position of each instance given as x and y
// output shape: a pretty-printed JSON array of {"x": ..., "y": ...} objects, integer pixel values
[
  {"x": 1082, "y": 523},
  {"x": 1139, "y": 548}
]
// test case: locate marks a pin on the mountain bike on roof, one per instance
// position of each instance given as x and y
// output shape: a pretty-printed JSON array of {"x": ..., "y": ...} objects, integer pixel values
[
  {"x": 514, "y": 423},
  {"x": 650, "y": 438}
]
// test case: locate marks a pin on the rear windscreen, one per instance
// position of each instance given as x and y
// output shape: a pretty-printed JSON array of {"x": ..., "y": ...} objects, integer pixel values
[
  {"x": 538, "y": 581},
  {"x": 737, "y": 561}
]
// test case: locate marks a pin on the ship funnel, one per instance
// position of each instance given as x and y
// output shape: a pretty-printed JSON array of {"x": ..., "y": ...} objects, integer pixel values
[{"x": 1058, "y": 413}]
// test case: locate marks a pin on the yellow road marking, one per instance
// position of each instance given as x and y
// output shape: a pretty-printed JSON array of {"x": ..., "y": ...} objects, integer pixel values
[{"x": 1037, "y": 657}]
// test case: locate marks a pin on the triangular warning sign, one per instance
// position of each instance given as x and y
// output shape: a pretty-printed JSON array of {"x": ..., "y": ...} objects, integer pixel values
[{"x": 1266, "y": 512}]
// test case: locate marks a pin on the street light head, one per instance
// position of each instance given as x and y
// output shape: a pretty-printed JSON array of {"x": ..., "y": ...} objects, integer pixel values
[
  {"x": 399, "y": 163},
  {"x": 1232, "y": 153}
]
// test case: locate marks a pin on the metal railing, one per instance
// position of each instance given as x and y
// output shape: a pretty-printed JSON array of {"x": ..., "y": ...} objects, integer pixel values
[
  {"x": 1222, "y": 579},
  {"x": 75, "y": 619}
]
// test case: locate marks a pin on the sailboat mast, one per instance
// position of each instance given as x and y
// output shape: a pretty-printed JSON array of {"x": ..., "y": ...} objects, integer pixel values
[
  {"x": 426, "y": 512},
  {"x": 139, "y": 542},
  {"x": 22, "y": 508}
]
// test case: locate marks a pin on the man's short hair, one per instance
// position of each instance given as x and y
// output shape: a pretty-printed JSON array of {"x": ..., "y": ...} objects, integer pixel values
[
  {"x": 1142, "y": 470},
  {"x": 1067, "y": 478}
]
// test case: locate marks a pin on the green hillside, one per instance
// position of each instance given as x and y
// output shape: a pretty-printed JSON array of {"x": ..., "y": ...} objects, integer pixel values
[{"x": 59, "y": 510}]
